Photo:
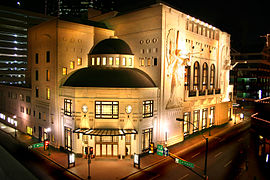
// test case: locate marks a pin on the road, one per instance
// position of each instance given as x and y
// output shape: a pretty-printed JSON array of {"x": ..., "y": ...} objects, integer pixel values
[
  {"x": 231, "y": 158},
  {"x": 19, "y": 161}
]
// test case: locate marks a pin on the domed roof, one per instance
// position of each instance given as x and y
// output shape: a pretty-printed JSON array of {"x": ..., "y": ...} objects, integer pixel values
[
  {"x": 111, "y": 46},
  {"x": 95, "y": 76}
]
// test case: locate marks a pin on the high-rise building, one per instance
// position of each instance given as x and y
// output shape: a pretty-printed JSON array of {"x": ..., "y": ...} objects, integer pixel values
[{"x": 14, "y": 24}]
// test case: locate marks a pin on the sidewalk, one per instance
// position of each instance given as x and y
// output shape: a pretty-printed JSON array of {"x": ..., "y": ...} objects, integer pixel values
[{"x": 122, "y": 168}]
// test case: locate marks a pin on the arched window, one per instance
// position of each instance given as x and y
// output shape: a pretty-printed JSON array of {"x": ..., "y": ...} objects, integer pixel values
[
  {"x": 205, "y": 76},
  {"x": 212, "y": 76},
  {"x": 187, "y": 77},
  {"x": 196, "y": 76}
]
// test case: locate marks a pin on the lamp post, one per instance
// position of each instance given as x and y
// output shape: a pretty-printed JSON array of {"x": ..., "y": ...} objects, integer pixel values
[{"x": 206, "y": 148}]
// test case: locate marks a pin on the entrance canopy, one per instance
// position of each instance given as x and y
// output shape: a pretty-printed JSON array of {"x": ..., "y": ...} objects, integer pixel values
[{"x": 106, "y": 132}]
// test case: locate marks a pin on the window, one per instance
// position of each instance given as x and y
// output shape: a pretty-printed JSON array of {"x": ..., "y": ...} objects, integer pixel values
[
  {"x": 196, "y": 119},
  {"x": 142, "y": 61},
  {"x": 64, "y": 71},
  {"x": 130, "y": 61},
  {"x": 98, "y": 61},
  {"x": 28, "y": 99},
  {"x": 36, "y": 58},
  {"x": 47, "y": 75},
  {"x": 67, "y": 107},
  {"x": 205, "y": 76},
  {"x": 147, "y": 136},
  {"x": 187, "y": 77},
  {"x": 79, "y": 61},
  {"x": 72, "y": 64},
  {"x": 22, "y": 109},
  {"x": 39, "y": 115},
  {"x": 148, "y": 62},
  {"x": 21, "y": 97},
  {"x": 28, "y": 111},
  {"x": 196, "y": 80},
  {"x": 48, "y": 58},
  {"x": 117, "y": 61},
  {"x": 204, "y": 118},
  {"x": 93, "y": 61},
  {"x": 104, "y": 61},
  {"x": 155, "y": 62},
  {"x": 148, "y": 108},
  {"x": 186, "y": 123},
  {"x": 37, "y": 93},
  {"x": 107, "y": 110},
  {"x": 48, "y": 93},
  {"x": 212, "y": 76},
  {"x": 212, "y": 116},
  {"x": 36, "y": 75},
  {"x": 68, "y": 139},
  {"x": 124, "y": 61},
  {"x": 110, "y": 61}
]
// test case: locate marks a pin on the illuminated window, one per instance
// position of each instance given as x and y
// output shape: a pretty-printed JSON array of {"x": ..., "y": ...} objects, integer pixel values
[
  {"x": 147, "y": 137},
  {"x": 148, "y": 108},
  {"x": 104, "y": 61},
  {"x": 187, "y": 77},
  {"x": 142, "y": 61},
  {"x": 196, "y": 119},
  {"x": 107, "y": 109},
  {"x": 205, "y": 76},
  {"x": 93, "y": 61},
  {"x": 130, "y": 61},
  {"x": 110, "y": 61},
  {"x": 186, "y": 123},
  {"x": 68, "y": 139},
  {"x": 98, "y": 61},
  {"x": 48, "y": 58},
  {"x": 67, "y": 107},
  {"x": 124, "y": 61},
  {"x": 72, "y": 63},
  {"x": 204, "y": 118},
  {"x": 196, "y": 76},
  {"x": 48, "y": 75},
  {"x": 29, "y": 130},
  {"x": 212, "y": 76},
  {"x": 64, "y": 71},
  {"x": 148, "y": 62},
  {"x": 21, "y": 97},
  {"x": 48, "y": 94},
  {"x": 79, "y": 61},
  {"x": 117, "y": 61},
  {"x": 212, "y": 116}
]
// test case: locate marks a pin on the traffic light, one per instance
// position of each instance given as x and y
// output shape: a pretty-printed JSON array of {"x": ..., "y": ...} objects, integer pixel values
[
  {"x": 46, "y": 144},
  {"x": 151, "y": 150},
  {"x": 91, "y": 150}
]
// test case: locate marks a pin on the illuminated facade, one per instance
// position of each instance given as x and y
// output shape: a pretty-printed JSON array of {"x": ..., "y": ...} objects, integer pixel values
[{"x": 90, "y": 88}]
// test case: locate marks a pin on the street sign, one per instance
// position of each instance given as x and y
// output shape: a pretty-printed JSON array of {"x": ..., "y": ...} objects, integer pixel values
[
  {"x": 185, "y": 163},
  {"x": 36, "y": 145},
  {"x": 159, "y": 150}
]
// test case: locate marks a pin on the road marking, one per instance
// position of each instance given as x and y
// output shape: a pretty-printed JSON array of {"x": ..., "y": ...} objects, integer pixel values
[
  {"x": 228, "y": 163},
  {"x": 195, "y": 155},
  {"x": 154, "y": 177},
  {"x": 218, "y": 154},
  {"x": 183, "y": 177}
]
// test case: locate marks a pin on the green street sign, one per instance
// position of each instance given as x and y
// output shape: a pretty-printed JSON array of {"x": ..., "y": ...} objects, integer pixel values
[
  {"x": 159, "y": 150},
  {"x": 185, "y": 163},
  {"x": 37, "y": 145}
]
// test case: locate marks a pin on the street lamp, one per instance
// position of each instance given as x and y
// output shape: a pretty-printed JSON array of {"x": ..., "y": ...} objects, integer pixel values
[{"x": 206, "y": 147}]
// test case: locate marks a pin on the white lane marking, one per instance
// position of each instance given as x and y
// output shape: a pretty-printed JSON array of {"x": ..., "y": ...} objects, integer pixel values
[
  {"x": 228, "y": 163},
  {"x": 195, "y": 155},
  {"x": 154, "y": 177},
  {"x": 183, "y": 177},
  {"x": 218, "y": 154}
]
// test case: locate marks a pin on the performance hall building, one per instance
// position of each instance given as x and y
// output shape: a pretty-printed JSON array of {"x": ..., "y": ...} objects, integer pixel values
[{"x": 120, "y": 89}]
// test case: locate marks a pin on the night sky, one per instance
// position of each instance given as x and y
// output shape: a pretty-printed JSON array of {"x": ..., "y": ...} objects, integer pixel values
[{"x": 246, "y": 20}]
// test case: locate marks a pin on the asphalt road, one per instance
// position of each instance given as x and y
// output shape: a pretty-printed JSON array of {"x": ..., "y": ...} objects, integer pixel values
[
  {"x": 21, "y": 162},
  {"x": 229, "y": 158}
]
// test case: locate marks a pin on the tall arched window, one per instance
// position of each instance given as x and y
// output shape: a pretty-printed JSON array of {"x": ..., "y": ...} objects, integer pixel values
[
  {"x": 196, "y": 76},
  {"x": 205, "y": 76},
  {"x": 212, "y": 76},
  {"x": 187, "y": 77}
]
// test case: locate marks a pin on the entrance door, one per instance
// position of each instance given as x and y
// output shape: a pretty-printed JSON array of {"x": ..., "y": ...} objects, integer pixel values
[{"x": 106, "y": 149}]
